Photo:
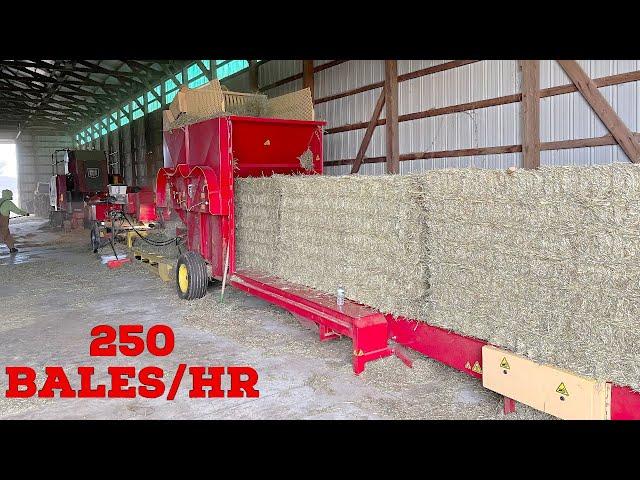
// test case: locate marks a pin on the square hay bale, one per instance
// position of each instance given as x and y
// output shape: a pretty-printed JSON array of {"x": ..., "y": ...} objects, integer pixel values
[
  {"x": 198, "y": 102},
  {"x": 361, "y": 233},
  {"x": 542, "y": 262},
  {"x": 296, "y": 105},
  {"x": 257, "y": 211}
]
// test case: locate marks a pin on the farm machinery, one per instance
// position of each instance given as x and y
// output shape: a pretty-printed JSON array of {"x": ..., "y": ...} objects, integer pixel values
[
  {"x": 196, "y": 184},
  {"x": 78, "y": 186},
  {"x": 84, "y": 190},
  {"x": 196, "y": 187}
]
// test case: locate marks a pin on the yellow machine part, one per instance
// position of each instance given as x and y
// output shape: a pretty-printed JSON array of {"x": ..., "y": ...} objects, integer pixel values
[
  {"x": 552, "y": 390},
  {"x": 183, "y": 278}
]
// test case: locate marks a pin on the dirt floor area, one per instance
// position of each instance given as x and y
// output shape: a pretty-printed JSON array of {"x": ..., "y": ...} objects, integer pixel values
[{"x": 54, "y": 291}]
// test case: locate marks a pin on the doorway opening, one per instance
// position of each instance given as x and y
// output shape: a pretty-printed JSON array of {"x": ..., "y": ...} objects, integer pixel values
[{"x": 9, "y": 169}]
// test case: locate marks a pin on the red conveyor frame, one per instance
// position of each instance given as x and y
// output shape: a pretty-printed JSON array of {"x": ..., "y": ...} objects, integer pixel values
[{"x": 201, "y": 159}]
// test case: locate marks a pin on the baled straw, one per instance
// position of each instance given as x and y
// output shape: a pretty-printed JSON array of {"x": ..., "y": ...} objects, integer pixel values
[{"x": 542, "y": 262}]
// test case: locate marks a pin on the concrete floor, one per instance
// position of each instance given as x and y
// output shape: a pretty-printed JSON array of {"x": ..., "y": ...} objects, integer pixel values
[{"x": 55, "y": 290}]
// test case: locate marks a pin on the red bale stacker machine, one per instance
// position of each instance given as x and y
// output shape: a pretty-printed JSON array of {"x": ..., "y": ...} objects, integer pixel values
[{"x": 201, "y": 162}]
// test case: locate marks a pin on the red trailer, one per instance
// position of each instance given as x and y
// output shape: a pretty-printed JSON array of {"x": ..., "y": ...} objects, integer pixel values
[{"x": 201, "y": 161}]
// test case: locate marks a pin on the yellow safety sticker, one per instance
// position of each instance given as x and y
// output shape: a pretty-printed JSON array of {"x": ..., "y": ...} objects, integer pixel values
[
  {"x": 476, "y": 367},
  {"x": 467, "y": 366},
  {"x": 267, "y": 143},
  {"x": 504, "y": 364},
  {"x": 562, "y": 389},
  {"x": 358, "y": 353}
]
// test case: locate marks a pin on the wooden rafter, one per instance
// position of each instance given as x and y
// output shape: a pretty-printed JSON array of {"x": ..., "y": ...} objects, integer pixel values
[
  {"x": 75, "y": 91},
  {"x": 589, "y": 90}
]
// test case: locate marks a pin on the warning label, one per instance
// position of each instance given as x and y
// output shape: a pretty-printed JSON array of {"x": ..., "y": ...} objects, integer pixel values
[
  {"x": 467, "y": 366},
  {"x": 504, "y": 364},
  {"x": 476, "y": 367},
  {"x": 562, "y": 389}
]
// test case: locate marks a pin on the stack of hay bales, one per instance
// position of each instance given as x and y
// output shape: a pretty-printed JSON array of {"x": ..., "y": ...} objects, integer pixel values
[
  {"x": 544, "y": 262},
  {"x": 257, "y": 212},
  {"x": 361, "y": 233}
]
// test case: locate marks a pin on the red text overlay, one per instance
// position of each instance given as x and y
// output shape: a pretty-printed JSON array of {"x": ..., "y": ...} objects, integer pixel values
[{"x": 130, "y": 381}]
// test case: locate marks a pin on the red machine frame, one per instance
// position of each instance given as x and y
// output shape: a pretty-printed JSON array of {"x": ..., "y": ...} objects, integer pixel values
[{"x": 201, "y": 161}]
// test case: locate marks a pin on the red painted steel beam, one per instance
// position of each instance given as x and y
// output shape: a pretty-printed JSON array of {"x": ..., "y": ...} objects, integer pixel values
[
  {"x": 450, "y": 348},
  {"x": 366, "y": 327},
  {"x": 625, "y": 403}
]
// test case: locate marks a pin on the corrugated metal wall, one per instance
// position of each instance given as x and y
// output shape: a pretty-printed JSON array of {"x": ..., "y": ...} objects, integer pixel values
[
  {"x": 276, "y": 70},
  {"x": 563, "y": 117},
  {"x": 33, "y": 154}
]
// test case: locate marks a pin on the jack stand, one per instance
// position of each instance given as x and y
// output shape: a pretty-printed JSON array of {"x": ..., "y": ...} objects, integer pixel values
[
  {"x": 401, "y": 353},
  {"x": 509, "y": 405}
]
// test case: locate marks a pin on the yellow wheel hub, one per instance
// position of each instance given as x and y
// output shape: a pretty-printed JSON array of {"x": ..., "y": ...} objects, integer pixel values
[{"x": 183, "y": 278}]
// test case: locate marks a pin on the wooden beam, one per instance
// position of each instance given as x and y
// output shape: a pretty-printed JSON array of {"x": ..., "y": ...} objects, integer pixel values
[
  {"x": 330, "y": 64},
  {"x": 435, "y": 69},
  {"x": 307, "y": 75},
  {"x": 298, "y": 76},
  {"x": 434, "y": 112},
  {"x": 531, "y": 113},
  {"x": 254, "y": 79},
  {"x": 368, "y": 134},
  {"x": 468, "y": 152},
  {"x": 401, "y": 78},
  {"x": 203, "y": 68},
  {"x": 391, "y": 114},
  {"x": 348, "y": 93},
  {"x": 589, "y": 90},
  {"x": 172, "y": 76}
]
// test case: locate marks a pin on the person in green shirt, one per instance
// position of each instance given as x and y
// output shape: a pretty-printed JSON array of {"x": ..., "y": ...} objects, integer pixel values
[{"x": 6, "y": 207}]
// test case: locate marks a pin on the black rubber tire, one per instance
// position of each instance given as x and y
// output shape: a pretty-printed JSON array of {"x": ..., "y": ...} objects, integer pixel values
[
  {"x": 95, "y": 239},
  {"x": 197, "y": 276}
]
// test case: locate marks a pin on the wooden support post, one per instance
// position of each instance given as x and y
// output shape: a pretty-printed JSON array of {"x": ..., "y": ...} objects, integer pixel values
[
  {"x": 307, "y": 75},
  {"x": 254, "y": 79},
  {"x": 587, "y": 87},
  {"x": 531, "y": 113},
  {"x": 369, "y": 133},
  {"x": 391, "y": 113}
]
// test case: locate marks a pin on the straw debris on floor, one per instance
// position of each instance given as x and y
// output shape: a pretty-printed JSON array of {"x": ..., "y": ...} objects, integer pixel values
[{"x": 542, "y": 262}]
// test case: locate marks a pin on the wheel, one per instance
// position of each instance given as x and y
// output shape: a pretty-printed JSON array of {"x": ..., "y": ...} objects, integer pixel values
[
  {"x": 95, "y": 239},
  {"x": 55, "y": 219},
  {"x": 191, "y": 276}
]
